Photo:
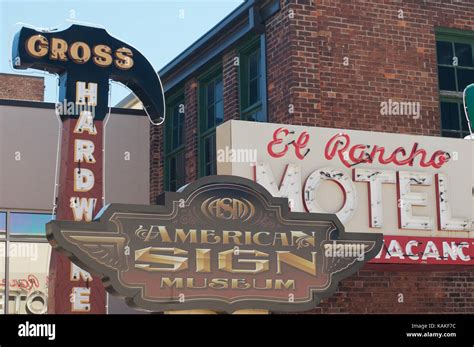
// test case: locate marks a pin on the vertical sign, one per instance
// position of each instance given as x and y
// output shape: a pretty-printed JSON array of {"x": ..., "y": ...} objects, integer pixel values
[
  {"x": 79, "y": 199},
  {"x": 85, "y": 58}
]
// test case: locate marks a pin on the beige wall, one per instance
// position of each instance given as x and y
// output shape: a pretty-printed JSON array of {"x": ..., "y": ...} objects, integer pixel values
[
  {"x": 32, "y": 133},
  {"x": 27, "y": 184}
]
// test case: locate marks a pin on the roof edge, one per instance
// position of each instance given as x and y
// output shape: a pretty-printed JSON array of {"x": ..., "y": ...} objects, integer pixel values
[
  {"x": 52, "y": 106},
  {"x": 236, "y": 14},
  {"x": 254, "y": 12}
]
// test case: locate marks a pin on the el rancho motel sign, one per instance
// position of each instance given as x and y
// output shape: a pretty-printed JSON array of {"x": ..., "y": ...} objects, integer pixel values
[
  {"x": 84, "y": 58},
  {"x": 416, "y": 190}
]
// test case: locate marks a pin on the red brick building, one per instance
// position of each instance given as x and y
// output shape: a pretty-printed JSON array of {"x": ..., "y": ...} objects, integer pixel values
[
  {"x": 21, "y": 87},
  {"x": 328, "y": 64}
]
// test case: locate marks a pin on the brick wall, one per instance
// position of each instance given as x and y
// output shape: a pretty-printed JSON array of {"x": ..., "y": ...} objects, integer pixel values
[
  {"x": 230, "y": 75},
  {"x": 191, "y": 129},
  {"x": 389, "y": 290},
  {"x": 308, "y": 84},
  {"x": 20, "y": 87},
  {"x": 191, "y": 89},
  {"x": 157, "y": 141},
  {"x": 281, "y": 44},
  {"x": 388, "y": 58},
  {"x": 157, "y": 172}
]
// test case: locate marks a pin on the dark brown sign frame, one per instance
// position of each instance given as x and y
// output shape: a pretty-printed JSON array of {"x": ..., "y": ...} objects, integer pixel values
[{"x": 125, "y": 236}]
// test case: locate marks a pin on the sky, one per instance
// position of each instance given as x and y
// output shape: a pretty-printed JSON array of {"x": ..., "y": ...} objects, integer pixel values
[{"x": 159, "y": 29}]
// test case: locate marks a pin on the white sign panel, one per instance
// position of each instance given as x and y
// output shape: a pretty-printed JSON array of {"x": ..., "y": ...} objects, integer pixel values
[{"x": 398, "y": 185}]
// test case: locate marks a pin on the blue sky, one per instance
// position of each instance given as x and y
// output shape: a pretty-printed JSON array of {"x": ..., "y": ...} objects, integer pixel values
[{"x": 160, "y": 29}]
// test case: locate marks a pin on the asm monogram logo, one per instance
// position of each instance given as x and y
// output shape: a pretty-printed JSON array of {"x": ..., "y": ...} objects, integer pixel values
[
  {"x": 223, "y": 243},
  {"x": 228, "y": 208}
]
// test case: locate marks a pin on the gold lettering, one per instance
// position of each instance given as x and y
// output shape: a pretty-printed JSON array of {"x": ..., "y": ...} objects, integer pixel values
[
  {"x": 165, "y": 237},
  {"x": 219, "y": 283},
  {"x": 297, "y": 262},
  {"x": 256, "y": 238},
  {"x": 80, "y": 52},
  {"x": 190, "y": 283},
  {"x": 234, "y": 235},
  {"x": 147, "y": 256},
  {"x": 58, "y": 49},
  {"x": 102, "y": 55},
  {"x": 226, "y": 283},
  {"x": 205, "y": 234},
  {"x": 282, "y": 237},
  {"x": 226, "y": 205},
  {"x": 268, "y": 285},
  {"x": 225, "y": 261},
  {"x": 37, "y": 46},
  {"x": 182, "y": 236},
  {"x": 303, "y": 237},
  {"x": 177, "y": 282},
  {"x": 124, "y": 59},
  {"x": 289, "y": 284},
  {"x": 203, "y": 260},
  {"x": 236, "y": 282}
]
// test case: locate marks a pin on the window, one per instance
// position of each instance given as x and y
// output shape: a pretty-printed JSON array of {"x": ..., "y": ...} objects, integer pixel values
[
  {"x": 3, "y": 224},
  {"x": 28, "y": 271},
  {"x": 211, "y": 114},
  {"x": 3, "y": 279},
  {"x": 32, "y": 224},
  {"x": 455, "y": 73},
  {"x": 453, "y": 119},
  {"x": 27, "y": 266},
  {"x": 175, "y": 169},
  {"x": 455, "y": 65},
  {"x": 252, "y": 82}
]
